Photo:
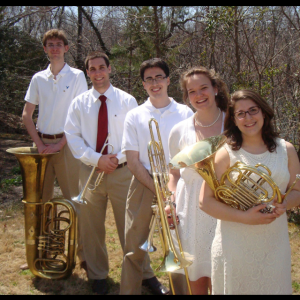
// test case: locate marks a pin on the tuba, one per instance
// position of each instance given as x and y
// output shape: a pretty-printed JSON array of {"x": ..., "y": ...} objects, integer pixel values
[
  {"x": 172, "y": 260},
  {"x": 241, "y": 186},
  {"x": 51, "y": 227}
]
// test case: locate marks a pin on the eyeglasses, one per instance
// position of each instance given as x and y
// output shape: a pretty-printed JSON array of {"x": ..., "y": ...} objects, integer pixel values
[
  {"x": 157, "y": 79},
  {"x": 252, "y": 111}
]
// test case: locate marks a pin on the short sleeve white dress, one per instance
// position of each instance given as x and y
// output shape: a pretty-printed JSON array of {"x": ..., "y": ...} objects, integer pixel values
[
  {"x": 196, "y": 228},
  {"x": 254, "y": 259}
]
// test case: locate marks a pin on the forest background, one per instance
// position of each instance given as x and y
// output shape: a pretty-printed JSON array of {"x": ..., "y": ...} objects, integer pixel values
[{"x": 254, "y": 47}]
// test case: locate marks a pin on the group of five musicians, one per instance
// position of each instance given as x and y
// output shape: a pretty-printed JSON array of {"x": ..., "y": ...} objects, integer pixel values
[{"x": 233, "y": 251}]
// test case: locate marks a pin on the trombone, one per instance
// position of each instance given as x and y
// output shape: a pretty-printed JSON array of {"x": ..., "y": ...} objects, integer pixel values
[
  {"x": 80, "y": 199},
  {"x": 172, "y": 260}
]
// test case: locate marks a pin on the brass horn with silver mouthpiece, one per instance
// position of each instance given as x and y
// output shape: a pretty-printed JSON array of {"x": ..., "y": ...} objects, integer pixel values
[
  {"x": 172, "y": 260},
  {"x": 80, "y": 199}
]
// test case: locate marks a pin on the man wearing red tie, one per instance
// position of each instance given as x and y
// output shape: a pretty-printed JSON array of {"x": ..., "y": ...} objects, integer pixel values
[{"x": 91, "y": 116}]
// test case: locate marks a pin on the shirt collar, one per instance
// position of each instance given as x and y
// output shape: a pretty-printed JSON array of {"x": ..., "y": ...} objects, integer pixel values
[
  {"x": 62, "y": 72},
  {"x": 109, "y": 93},
  {"x": 172, "y": 107}
]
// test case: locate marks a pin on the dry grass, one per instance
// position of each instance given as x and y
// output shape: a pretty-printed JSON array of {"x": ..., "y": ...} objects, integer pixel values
[{"x": 14, "y": 281}]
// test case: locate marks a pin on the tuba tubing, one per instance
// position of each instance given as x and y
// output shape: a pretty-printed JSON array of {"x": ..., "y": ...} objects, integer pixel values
[{"x": 45, "y": 240}]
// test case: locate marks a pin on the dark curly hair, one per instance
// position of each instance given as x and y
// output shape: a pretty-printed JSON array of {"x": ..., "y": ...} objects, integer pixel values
[
  {"x": 233, "y": 133},
  {"x": 222, "y": 98}
]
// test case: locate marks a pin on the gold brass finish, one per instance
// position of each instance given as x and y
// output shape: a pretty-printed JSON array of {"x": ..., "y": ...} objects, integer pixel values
[
  {"x": 241, "y": 186},
  {"x": 172, "y": 260},
  {"x": 50, "y": 237},
  {"x": 200, "y": 157},
  {"x": 80, "y": 199}
]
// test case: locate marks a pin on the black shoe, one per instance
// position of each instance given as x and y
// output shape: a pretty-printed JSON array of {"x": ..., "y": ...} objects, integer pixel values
[
  {"x": 100, "y": 287},
  {"x": 155, "y": 286}
]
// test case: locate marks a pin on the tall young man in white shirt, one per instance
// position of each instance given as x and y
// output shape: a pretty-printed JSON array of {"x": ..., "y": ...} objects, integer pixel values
[
  {"x": 136, "y": 270},
  {"x": 53, "y": 90},
  {"x": 81, "y": 132}
]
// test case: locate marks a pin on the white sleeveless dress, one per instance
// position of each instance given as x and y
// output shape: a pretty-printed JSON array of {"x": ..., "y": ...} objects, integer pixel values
[
  {"x": 196, "y": 228},
  {"x": 254, "y": 259}
]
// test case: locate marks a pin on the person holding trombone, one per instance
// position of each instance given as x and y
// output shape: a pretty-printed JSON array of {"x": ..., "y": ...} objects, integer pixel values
[
  {"x": 96, "y": 118},
  {"x": 136, "y": 269}
]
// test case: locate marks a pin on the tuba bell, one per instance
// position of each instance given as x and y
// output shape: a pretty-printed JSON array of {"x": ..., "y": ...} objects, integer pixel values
[
  {"x": 50, "y": 235},
  {"x": 172, "y": 260},
  {"x": 241, "y": 186}
]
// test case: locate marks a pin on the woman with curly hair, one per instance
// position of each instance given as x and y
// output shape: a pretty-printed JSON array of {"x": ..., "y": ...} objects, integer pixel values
[{"x": 251, "y": 252}]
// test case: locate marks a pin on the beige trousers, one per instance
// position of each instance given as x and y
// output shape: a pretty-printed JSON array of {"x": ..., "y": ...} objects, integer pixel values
[
  {"x": 92, "y": 217},
  {"x": 65, "y": 167},
  {"x": 136, "y": 262}
]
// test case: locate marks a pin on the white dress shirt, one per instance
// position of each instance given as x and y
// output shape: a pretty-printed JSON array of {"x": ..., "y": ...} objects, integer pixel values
[
  {"x": 54, "y": 96},
  {"x": 82, "y": 123},
  {"x": 136, "y": 130}
]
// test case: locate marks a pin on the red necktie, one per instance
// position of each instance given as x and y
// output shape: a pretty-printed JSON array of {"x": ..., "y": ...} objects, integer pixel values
[{"x": 102, "y": 125}]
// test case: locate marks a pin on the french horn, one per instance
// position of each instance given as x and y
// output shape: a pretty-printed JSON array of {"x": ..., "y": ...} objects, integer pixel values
[
  {"x": 241, "y": 186},
  {"x": 50, "y": 227}
]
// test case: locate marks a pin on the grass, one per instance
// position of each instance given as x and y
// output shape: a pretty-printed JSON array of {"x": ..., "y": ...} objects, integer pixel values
[{"x": 14, "y": 281}]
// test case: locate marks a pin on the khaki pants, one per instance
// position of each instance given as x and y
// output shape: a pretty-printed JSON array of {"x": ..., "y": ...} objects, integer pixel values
[
  {"x": 65, "y": 167},
  {"x": 92, "y": 217},
  {"x": 136, "y": 262}
]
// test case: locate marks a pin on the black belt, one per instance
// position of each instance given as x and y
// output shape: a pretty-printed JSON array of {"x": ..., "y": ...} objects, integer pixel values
[
  {"x": 50, "y": 136},
  {"x": 121, "y": 165}
]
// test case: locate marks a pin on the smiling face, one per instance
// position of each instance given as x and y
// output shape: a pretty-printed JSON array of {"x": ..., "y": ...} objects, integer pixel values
[
  {"x": 201, "y": 93},
  {"x": 250, "y": 125},
  {"x": 156, "y": 89},
  {"x": 99, "y": 74},
  {"x": 55, "y": 49}
]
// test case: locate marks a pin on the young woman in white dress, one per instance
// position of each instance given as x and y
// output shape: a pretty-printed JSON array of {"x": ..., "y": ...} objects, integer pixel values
[
  {"x": 208, "y": 95},
  {"x": 251, "y": 251}
]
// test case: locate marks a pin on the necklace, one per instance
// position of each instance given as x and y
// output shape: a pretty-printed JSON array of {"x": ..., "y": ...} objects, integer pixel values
[{"x": 199, "y": 124}]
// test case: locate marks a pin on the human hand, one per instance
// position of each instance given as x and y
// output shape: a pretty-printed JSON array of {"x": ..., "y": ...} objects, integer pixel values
[
  {"x": 51, "y": 148},
  {"x": 280, "y": 208},
  {"x": 170, "y": 218},
  {"x": 253, "y": 216},
  {"x": 106, "y": 165}
]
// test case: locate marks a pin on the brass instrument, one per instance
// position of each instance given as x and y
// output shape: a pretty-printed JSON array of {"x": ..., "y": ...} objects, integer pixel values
[
  {"x": 172, "y": 260},
  {"x": 241, "y": 186},
  {"x": 50, "y": 236},
  {"x": 80, "y": 199}
]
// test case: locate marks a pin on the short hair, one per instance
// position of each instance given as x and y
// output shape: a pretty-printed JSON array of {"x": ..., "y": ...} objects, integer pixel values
[
  {"x": 154, "y": 63},
  {"x": 233, "y": 133},
  {"x": 222, "y": 98},
  {"x": 55, "y": 34},
  {"x": 96, "y": 54}
]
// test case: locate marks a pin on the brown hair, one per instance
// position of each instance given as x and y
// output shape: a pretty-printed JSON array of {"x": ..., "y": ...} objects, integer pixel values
[
  {"x": 55, "y": 34},
  {"x": 154, "y": 63},
  {"x": 96, "y": 54},
  {"x": 222, "y": 98},
  {"x": 233, "y": 133}
]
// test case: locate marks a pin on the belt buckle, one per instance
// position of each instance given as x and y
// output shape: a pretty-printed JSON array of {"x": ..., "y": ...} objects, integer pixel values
[{"x": 54, "y": 136}]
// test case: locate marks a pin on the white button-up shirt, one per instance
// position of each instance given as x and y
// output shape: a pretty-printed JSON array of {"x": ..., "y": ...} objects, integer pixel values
[
  {"x": 82, "y": 123},
  {"x": 136, "y": 130},
  {"x": 54, "y": 96}
]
